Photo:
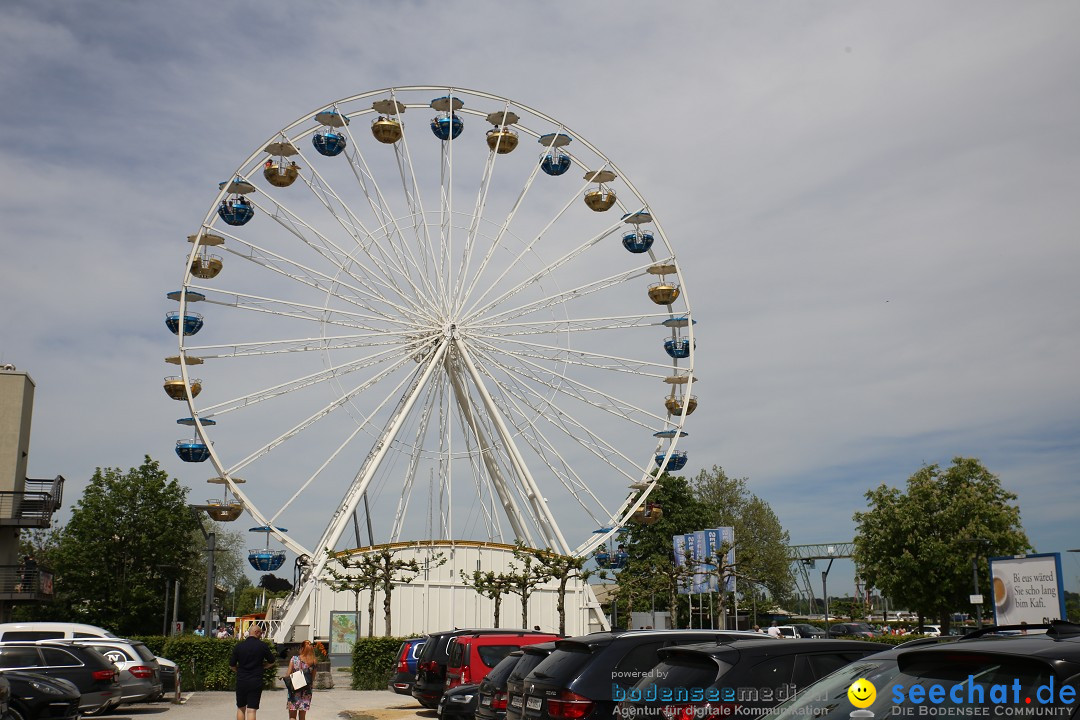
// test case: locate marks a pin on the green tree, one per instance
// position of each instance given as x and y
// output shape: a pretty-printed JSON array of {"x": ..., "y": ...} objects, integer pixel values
[
  {"x": 491, "y": 585},
  {"x": 524, "y": 581},
  {"x": 562, "y": 568},
  {"x": 916, "y": 546},
  {"x": 761, "y": 554},
  {"x": 127, "y": 534},
  {"x": 356, "y": 575}
]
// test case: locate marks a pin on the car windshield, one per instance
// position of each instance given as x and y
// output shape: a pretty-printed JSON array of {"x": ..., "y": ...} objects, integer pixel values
[{"x": 930, "y": 684}]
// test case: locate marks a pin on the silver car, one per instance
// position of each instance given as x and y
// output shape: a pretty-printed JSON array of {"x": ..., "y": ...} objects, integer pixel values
[{"x": 140, "y": 674}]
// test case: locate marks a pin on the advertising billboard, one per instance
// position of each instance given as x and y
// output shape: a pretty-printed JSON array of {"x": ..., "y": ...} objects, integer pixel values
[
  {"x": 700, "y": 549},
  {"x": 1027, "y": 589}
]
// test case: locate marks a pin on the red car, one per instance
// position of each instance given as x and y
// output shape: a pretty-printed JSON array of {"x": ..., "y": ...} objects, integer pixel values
[{"x": 473, "y": 656}]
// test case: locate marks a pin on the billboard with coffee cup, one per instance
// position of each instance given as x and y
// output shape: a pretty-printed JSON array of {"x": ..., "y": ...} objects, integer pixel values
[{"x": 1027, "y": 589}]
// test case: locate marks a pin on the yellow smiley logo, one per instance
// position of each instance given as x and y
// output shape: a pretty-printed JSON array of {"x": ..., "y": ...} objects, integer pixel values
[{"x": 862, "y": 693}]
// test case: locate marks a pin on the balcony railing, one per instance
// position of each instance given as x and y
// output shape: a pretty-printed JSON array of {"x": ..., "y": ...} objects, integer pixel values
[
  {"x": 34, "y": 506},
  {"x": 18, "y": 583}
]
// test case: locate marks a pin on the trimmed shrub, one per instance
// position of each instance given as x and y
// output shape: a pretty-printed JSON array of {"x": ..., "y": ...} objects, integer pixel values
[
  {"x": 203, "y": 663},
  {"x": 374, "y": 661}
]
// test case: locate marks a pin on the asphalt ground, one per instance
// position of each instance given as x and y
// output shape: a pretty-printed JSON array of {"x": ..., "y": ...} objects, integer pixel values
[{"x": 325, "y": 705}]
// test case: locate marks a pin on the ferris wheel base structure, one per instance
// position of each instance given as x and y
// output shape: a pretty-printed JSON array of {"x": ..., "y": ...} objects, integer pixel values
[{"x": 436, "y": 599}]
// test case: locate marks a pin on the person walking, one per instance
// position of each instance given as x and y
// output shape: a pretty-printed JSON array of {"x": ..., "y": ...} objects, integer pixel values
[
  {"x": 248, "y": 660},
  {"x": 299, "y": 701}
]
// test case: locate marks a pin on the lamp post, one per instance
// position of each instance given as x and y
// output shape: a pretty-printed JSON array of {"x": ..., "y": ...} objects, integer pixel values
[
  {"x": 825, "y": 585},
  {"x": 211, "y": 548},
  {"x": 976, "y": 595}
]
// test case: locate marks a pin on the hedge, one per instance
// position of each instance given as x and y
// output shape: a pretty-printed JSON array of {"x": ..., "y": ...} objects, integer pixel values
[
  {"x": 374, "y": 661},
  {"x": 203, "y": 662}
]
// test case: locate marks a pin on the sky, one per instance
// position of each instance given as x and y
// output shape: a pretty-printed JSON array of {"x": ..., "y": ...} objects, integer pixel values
[{"x": 873, "y": 206}]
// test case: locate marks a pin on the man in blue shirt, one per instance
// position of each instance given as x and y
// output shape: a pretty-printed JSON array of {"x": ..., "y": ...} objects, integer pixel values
[{"x": 249, "y": 659}]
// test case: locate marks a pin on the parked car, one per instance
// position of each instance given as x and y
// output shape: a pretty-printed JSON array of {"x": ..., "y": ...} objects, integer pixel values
[
  {"x": 978, "y": 675},
  {"x": 405, "y": 672},
  {"x": 39, "y": 697},
  {"x": 5, "y": 696},
  {"x": 169, "y": 674},
  {"x": 140, "y": 676},
  {"x": 741, "y": 677},
  {"x": 90, "y": 671},
  {"x": 531, "y": 656},
  {"x": 431, "y": 664},
  {"x": 493, "y": 696},
  {"x": 851, "y": 629},
  {"x": 787, "y": 631},
  {"x": 582, "y": 676},
  {"x": 930, "y": 630},
  {"x": 459, "y": 702},
  {"x": 806, "y": 630},
  {"x": 473, "y": 656}
]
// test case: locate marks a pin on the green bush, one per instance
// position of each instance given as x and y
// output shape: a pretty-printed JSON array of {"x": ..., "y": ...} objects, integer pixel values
[
  {"x": 203, "y": 663},
  {"x": 374, "y": 660}
]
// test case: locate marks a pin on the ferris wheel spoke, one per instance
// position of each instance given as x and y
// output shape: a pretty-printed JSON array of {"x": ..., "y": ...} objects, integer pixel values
[
  {"x": 268, "y": 393},
  {"x": 579, "y": 391},
  {"x": 553, "y": 535},
  {"x": 543, "y": 447},
  {"x": 325, "y": 411},
  {"x": 575, "y": 356},
  {"x": 569, "y": 325},
  {"x": 291, "y": 309},
  {"x": 479, "y": 423},
  {"x": 562, "y": 298},
  {"x": 559, "y": 418},
  {"x": 360, "y": 427},
  {"x": 473, "y": 311},
  {"x": 382, "y": 338},
  {"x": 546, "y": 272},
  {"x": 474, "y": 225},
  {"x": 365, "y": 240},
  {"x": 414, "y": 462},
  {"x": 321, "y": 281},
  {"x": 379, "y": 206}
]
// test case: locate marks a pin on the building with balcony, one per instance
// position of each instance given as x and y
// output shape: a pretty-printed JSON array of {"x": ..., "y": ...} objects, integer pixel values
[{"x": 24, "y": 502}]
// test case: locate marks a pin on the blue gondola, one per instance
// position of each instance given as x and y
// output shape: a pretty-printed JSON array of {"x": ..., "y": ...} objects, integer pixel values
[
  {"x": 637, "y": 242},
  {"x": 190, "y": 422},
  {"x": 266, "y": 560},
  {"x": 328, "y": 143},
  {"x": 236, "y": 211},
  {"x": 555, "y": 164},
  {"x": 193, "y": 322},
  {"x": 447, "y": 127},
  {"x": 192, "y": 295},
  {"x": 192, "y": 450},
  {"x": 676, "y": 463},
  {"x": 677, "y": 348}
]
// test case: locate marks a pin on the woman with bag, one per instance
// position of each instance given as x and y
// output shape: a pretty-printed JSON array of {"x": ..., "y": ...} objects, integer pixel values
[{"x": 299, "y": 700}]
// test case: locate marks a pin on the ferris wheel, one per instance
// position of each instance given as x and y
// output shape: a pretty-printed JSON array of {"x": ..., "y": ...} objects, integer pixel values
[{"x": 431, "y": 312}]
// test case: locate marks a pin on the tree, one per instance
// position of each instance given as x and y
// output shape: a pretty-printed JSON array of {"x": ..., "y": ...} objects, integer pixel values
[
  {"x": 761, "y": 554},
  {"x": 489, "y": 584},
  {"x": 562, "y": 568},
  {"x": 916, "y": 547},
  {"x": 363, "y": 576},
  {"x": 524, "y": 581},
  {"x": 128, "y": 534},
  {"x": 272, "y": 583}
]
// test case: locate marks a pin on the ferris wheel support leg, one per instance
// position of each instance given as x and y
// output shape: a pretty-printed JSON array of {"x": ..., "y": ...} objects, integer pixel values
[
  {"x": 513, "y": 512},
  {"x": 341, "y": 518},
  {"x": 553, "y": 536}
]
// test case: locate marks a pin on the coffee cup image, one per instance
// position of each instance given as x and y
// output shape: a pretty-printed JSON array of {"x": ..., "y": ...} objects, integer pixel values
[{"x": 1001, "y": 593}]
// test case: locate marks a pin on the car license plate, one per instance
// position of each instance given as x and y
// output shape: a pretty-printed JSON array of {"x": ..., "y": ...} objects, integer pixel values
[
  {"x": 535, "y": 703},
  {"x": 486, "y": 700},
  {"x": 515, "y": 701}
]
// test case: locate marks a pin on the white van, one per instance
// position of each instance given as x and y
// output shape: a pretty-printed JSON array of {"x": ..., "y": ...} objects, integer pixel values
[{"x": 50, "y": 631}]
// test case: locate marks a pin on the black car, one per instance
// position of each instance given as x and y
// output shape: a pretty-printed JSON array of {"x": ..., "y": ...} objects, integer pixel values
[
  {"x": 806, "y": 630},
  {"x": 459, "y": 702},
  {"x": 94, "y": 676},
  {"x": 5, "y": 696},
  {"x": 982, "y": 674},
  {"x": 583, "y": 676},
  {"x": 39, "y": 697},
  {"x": 492, "y": 701},
  {"x": 851, "y": 629},
  {"x": 531, "y": 656},
  {"x": 742, "y": 677},
  {"x": 431, "y": 665}
]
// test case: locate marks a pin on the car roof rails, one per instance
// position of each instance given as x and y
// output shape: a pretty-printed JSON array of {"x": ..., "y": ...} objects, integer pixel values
[{"x": 1055, "y": 629}]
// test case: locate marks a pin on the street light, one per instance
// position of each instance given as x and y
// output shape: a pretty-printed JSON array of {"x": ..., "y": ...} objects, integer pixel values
[
  {"x": 825, "y": 584},
  {"x": 976, "y": 595}
]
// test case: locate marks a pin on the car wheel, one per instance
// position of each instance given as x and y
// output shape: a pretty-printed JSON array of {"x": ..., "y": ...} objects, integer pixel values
[{"x": 14, "y": 714}]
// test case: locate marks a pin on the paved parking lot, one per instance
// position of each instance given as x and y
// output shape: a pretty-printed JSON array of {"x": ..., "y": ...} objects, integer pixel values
[{"x": 326, "y": 704}]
